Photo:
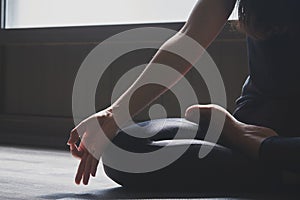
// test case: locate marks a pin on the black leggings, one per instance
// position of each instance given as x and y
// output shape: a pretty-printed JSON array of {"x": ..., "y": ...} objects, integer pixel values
[
  {"x": 282, "y": 153},
  {"x": 221, "y": 168}
]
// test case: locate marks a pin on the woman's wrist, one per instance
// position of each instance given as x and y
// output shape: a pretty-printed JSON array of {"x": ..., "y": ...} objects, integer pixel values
[{"x": 110, "y": 127}]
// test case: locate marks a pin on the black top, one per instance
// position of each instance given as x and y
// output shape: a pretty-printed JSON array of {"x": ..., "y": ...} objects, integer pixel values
[
  {"x": 274, "y": 66},
  {"x": 271, "y": 94}
]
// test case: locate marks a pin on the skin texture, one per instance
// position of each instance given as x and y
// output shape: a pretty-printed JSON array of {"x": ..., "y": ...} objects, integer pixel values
[
  {"x": 235, "y": 134},
  {"x": 202, "y": 26}
]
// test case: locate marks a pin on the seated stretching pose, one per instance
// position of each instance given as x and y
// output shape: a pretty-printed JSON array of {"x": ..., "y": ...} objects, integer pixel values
[{"x": 264, "y": 128}]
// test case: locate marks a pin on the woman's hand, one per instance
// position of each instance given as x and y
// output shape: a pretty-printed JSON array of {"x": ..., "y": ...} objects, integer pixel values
[
  {"x": 95, "y": 132},
  {"x": 235, "y": 134}
]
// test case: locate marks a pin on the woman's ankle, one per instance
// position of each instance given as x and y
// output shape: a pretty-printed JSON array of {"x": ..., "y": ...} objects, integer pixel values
[{"x": 251, "y": 137}]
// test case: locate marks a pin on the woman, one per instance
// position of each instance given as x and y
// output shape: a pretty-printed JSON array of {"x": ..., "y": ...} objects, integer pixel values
[{"x": 261, "y": 124}]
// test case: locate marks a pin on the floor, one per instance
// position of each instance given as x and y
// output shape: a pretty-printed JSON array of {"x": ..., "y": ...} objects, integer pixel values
[{"x": 48, "y": 174}]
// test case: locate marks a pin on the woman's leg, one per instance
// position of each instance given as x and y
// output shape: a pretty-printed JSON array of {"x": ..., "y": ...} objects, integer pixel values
[
  {"x": 221, "y": 168},
  {"x": 281, "y": 152}
]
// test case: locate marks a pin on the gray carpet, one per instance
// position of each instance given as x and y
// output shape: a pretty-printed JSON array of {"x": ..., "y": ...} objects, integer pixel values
[{"x": 47, "y": 174}]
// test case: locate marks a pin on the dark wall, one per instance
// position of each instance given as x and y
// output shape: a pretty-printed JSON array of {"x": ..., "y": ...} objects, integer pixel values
[{"x": 38, "y": 68}]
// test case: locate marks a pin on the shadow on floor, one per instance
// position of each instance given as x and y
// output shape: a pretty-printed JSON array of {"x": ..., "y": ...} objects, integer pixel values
[{"x": 121, "y": 193}]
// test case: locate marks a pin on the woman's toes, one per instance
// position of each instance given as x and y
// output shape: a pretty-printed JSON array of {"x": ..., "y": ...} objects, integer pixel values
[{"x": 193, "y": 113}]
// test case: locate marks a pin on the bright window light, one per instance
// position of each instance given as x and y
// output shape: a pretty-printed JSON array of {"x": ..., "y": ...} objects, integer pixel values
[{"x": 57, "y": 13}]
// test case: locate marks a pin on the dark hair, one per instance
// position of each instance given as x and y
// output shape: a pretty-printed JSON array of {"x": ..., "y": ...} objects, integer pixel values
[{"x": 262, "y": 19}]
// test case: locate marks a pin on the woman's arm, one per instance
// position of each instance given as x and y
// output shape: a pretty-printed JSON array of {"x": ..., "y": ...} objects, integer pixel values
[{"x": 205, "y": 22}]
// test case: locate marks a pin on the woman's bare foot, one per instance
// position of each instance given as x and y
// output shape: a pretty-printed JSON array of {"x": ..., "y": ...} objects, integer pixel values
[{"x": 235, "y": 134}]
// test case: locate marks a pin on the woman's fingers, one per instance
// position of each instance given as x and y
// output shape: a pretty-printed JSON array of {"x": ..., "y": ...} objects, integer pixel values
[
  {"x": 87, "y": 166},
  {"x": 75, "y": 151},
  {"x": 74, "y": 137},
  {"x": 81, "y": 168},
  {"x": 79, "y": 130},
  {"x": 95, "y": 163},
  {"x": 87, "y": 169}
]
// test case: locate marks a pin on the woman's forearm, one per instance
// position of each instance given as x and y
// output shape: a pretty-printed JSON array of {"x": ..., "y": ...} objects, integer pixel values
[
  {"x": 164, "y": 70},
  {"x": 201, "y": 29}
]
